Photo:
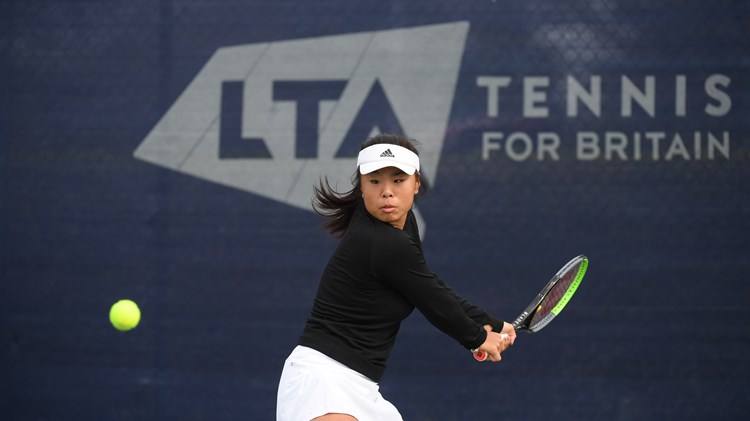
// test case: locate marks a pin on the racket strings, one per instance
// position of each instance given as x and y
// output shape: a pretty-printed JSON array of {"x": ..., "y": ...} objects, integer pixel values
[{"x": 556, "y": 294}]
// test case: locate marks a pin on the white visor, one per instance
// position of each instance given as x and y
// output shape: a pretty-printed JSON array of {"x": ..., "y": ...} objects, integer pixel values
[{"x": 375, "y": 157}]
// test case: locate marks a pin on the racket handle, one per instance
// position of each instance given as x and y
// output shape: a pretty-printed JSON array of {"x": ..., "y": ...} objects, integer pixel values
[{"x": 481, "y": 355}]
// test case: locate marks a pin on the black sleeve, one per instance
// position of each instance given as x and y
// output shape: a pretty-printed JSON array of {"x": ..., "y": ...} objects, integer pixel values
[
  {"x": 398, "y": 261},
  {"x": 475, "y": 313}
]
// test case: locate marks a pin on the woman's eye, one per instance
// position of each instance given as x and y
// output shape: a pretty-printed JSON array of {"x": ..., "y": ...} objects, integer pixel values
[{"x": 374, "y": 181}]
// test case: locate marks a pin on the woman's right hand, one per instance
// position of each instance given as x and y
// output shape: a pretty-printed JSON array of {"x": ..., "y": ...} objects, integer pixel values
[{"x": 495, "y": 344}]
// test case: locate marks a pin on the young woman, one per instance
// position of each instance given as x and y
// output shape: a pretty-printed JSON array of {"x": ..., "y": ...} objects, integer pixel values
[{"x": 373, "y": 281}]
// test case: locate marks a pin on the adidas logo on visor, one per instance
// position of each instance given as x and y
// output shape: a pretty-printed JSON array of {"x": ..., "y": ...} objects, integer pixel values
[{"x": 387, "y": 154}]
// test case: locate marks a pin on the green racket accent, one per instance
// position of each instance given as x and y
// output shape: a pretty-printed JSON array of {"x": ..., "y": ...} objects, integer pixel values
[{"x": 572, "y": 288}]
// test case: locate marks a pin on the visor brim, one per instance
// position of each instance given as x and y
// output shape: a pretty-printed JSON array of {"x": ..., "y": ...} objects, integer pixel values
[{"x": 377, "y": 165}]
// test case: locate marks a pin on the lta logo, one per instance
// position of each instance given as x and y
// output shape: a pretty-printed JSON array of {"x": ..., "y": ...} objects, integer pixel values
[{"x": 272, "y": 118}]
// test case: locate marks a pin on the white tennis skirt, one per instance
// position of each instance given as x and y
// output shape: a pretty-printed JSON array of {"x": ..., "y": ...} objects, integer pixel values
[{"x": 313, "y": 384}]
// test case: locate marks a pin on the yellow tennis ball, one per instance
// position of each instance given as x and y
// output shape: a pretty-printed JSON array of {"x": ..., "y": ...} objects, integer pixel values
[{"x": 124, "y": 315}]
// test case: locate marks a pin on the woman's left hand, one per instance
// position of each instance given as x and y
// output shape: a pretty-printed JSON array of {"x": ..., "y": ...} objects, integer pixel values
[{"x": 508, "y": 331}]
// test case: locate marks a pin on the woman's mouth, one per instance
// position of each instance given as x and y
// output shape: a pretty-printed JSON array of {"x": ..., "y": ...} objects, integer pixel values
[{"x": 388, "y": 208}]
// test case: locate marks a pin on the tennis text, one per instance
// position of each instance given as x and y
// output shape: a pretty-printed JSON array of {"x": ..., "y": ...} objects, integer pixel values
[{"x": 626, "y": 98}]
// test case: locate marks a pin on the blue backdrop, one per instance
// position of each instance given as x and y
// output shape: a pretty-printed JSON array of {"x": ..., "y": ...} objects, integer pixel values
[{"x": 165, "y": 151}]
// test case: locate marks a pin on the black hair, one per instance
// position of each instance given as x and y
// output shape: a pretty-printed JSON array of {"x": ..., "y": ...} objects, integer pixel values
[{"x": 338, "y": 208}]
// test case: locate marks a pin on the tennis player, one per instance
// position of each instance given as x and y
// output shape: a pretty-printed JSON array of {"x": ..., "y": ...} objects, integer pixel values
[{"x": 373, "y": 281}]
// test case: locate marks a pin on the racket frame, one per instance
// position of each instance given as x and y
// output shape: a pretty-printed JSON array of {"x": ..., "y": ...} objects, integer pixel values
[{"x": 522, "y": 322}]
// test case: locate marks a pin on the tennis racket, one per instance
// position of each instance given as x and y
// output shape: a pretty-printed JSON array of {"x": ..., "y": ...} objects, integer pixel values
[{"x": 550, "y": 301}]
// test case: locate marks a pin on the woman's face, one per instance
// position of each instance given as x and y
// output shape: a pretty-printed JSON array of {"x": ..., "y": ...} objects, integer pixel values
[{"x": 389, "y": 194}]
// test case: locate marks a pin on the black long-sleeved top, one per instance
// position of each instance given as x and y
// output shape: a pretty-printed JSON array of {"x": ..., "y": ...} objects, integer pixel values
[{"x": 373, "y": 281}]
